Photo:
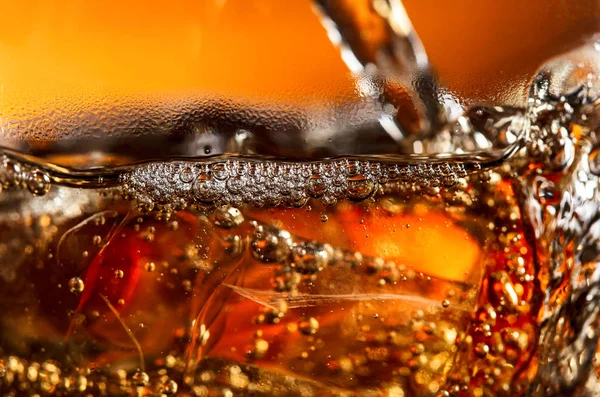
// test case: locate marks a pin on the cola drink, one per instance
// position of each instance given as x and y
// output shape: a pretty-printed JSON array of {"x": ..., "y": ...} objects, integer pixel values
[{"x": 408, "y": 239}]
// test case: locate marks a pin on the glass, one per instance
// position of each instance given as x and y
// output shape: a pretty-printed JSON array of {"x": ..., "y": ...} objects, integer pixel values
[{"x": 328, "y": 198}]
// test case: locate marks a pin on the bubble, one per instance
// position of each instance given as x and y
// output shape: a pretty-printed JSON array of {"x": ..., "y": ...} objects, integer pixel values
[
  {"x": 169, "y": 388},
  {"x": 38, "y": 183},
  {"x": 417, "y": 349},
  {"x": 359, "y": 188},
  {"x": 150, "y": 267},
  {"x": 503, "y": 290},
  {"x": 119, "y": 274},
  {"x": 186, "y": 176},
  {"x": 445, "y": 303},
  {"x": 76, "y": 285},
  {"x": 308, "y": 325},
  {"x": 260, "y": 349},
  {"x": 140, "y": 378},
  {"x": 298, "y": 199},
  {"x": 96, "y": 240},
  {"x": 324, "y": 218},
  {"x": 11, "y": 173},
  {"x": 329, "y": 200},
  {"x": 205, "y": 189},
  {"x": 267, "y": 247},
  {"x": 352, "y": 168},
  {"x": 228, "y": 218},
  {"x": 235, "y": 185},
  {"x": 220, "y": 171},
  {"x": 309, "y": 258},
  {"x": 482, "y": 350},
  {"x": 546, "y": 193}
]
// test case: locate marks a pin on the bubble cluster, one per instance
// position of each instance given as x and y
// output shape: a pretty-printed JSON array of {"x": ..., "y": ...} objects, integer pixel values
[
  {"x": 15, "y": 175},
  {"x": 270, "y": 183}
]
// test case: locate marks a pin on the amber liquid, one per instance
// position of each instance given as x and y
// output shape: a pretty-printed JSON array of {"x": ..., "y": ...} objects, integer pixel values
[{"x": 361, "y": 298}]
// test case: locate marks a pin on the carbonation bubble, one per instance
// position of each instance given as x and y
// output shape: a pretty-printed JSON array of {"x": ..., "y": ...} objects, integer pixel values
[
  {"x": 187, "y": 175},
  {"x": 309, "y": 258},
  {"x": 96, "y": 240},
  {"x": 329, "y": 200},
  {"x": 228, "y": 218},
  {"x": 482, "y": 350},
  {"x": 11, "y": 174},
  {"x": 119, "y": 274},
  {"x": 76, "y": 285},
  {"x": 205, "y": 189},
  {"x": 266, "y": 247},
  {"x": 38, "y": 183},
  {"x": 308, "y": 325},
  {"x": 169, "y": 388},
  {"x": 352, "y": 168},
  {"x": 359, "y": 188},
  {"x": 235, "y": 185},
  {"x": 140, "y": 378},
  {"x": 219, "y": 171},
  {"x": 546, "y": 193}
]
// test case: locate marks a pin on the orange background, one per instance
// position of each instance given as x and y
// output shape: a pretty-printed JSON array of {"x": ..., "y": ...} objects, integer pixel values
[{"x": 254, "y": 48}]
